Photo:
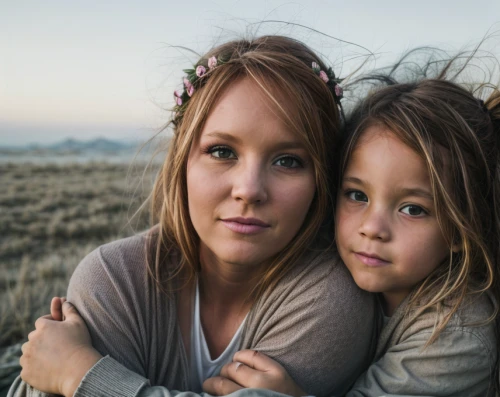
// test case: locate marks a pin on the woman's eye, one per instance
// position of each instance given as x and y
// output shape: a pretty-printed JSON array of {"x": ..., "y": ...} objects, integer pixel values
[
  {"x": 288, "y": 162},
  {"x": 222, "y": 153},
  {"x": 356, "y": 195},
  {"x": 413, "y": 210}
]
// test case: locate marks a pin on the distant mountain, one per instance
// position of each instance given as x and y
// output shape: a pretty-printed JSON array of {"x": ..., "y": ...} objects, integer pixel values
[
  {"x": 100, "y": 144},
  {"x": 74, "y": 146}
]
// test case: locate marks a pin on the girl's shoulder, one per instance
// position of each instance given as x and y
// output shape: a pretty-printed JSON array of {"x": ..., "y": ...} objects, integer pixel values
[{"x": 474, "y": 321}]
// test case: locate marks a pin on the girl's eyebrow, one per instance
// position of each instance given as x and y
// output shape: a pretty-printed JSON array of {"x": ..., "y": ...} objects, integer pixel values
[
  {"x": 353, "y": 179},
  {"x": 406, "y": 191},
  {"x": 417, "y": 192}
]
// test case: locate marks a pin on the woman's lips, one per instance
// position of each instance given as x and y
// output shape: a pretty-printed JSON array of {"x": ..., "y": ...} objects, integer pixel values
[
  {"x": 371, "y": 259},
  {"x": 245, "y": 225}
]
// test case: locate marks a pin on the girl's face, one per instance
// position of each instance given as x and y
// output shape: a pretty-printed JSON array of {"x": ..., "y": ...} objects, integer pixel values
[
  {"x": 386, "y": 226},
  {"x": 250, "y": 181}
]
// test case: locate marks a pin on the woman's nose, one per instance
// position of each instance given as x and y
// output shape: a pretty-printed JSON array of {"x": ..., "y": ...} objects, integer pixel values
[
  {"x": 250, "y": 183},
  {"x": 375, "y": 225}
]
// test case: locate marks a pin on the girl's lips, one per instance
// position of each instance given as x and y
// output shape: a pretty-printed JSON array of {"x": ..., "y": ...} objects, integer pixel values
[
  {"x": 245, "y": 225},
  {"x": 371, "y": 260}
]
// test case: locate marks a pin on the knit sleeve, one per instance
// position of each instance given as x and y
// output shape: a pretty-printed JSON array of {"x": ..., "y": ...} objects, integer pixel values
[
  {"x": 318, "y": 324},
  {"x": 109, "y": 378},
  {"x": 459, "y": 364},
  {"x": 107, "y": 293}
]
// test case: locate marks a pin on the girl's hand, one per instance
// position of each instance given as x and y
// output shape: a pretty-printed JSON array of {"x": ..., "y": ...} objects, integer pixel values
[
  {"x": 252, "y": 369},
  {"x": 59, "y": 353}
]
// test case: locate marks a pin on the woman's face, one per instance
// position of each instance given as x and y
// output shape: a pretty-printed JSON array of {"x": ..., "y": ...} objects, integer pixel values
[{"x": 250, "y": 180}]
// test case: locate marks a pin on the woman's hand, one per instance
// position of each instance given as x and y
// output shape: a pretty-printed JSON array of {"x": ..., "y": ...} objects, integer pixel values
[
  {"x": 56, "y": 308},
  {"x": 252, "y": 369},
  {"x": 58, "y": 353}
]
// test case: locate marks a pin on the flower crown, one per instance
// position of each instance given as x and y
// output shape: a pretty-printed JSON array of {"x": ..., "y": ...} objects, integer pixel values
[
  {"x": 194, "y": 79},
  {"x": 331, "y": 81}
]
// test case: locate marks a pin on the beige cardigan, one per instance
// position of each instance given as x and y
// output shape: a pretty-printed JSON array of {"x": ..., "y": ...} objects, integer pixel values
[{"x": 316, "y": 322}]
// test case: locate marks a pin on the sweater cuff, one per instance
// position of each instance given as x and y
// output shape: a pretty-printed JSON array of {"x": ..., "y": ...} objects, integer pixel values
[{"x": 110, "y": 378}]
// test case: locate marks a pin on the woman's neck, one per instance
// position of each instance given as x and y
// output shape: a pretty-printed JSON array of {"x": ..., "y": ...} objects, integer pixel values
[
  {"x": 226, "y": 284},
  {"x": 225, "y": 298}
]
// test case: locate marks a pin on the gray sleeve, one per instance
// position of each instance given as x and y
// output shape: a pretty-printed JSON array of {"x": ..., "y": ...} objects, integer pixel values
[
  {"x": 107, "y": 296},
  {"x": 109, "y": 378},
  {"x": 21, "y": 389},
  {"x": 459, "y": 364}
]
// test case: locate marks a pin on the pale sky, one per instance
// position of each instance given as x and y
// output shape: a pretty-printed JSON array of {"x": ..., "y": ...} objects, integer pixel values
[{"x": 88, "y": 69}]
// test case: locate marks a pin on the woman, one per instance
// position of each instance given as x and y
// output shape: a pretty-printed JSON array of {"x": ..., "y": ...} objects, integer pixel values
[{"x": 236, "y": 259}]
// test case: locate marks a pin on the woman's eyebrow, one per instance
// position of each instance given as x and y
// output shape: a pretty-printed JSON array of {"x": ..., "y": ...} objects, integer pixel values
[
  {"x": 281, "y": 145},
  {"x": 224, "y": 135}
]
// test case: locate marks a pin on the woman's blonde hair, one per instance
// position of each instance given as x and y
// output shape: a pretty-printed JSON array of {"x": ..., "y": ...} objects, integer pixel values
[
  {"x": 458, "y": 136},
  {"x": 282, "y": 68}
]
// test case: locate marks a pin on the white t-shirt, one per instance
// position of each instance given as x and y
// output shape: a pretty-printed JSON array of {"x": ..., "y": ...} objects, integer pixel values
[{"x": 202, "y": 365}]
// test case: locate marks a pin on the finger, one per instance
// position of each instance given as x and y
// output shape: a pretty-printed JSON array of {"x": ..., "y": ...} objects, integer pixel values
[
  {"x": 220, "y": 386},
  {"x": 31, "y": 335},
  {"x": 257, "y": 360},
  {"x": 56, "y": 308},
  {"x": 70, "y": 312},
  {"x": 241, "y": 374},
  {"x": 42, "y": 322}
]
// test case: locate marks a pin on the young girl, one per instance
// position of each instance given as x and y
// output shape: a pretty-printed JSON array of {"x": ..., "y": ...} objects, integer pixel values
[
  {"x": 238, "y": 207},
  {"x": 418, "y": 221}
]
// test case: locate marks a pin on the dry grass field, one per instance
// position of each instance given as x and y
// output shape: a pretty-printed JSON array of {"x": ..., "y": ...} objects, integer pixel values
[{"x": 51, "y": 216}]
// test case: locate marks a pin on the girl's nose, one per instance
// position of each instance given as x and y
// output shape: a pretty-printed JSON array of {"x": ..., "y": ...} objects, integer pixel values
[
  {"x": 375, "y": 225},
  {"x": 249, "y": 184}
]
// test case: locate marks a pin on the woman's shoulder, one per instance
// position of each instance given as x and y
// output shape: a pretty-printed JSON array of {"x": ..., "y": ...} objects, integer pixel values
[
  {"x": 128, "y": 254},
  {"x": 120, "y": 255},
  {"x": 316, "y": 322},
  {"x": 323, "y": 273},
  {"x": 320, "y": 292},
  {"x": 121, "y": 264}
]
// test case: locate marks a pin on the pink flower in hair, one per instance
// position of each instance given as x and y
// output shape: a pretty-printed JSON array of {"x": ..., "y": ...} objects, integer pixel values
[
  {"x": 339, "y": 91},
  {"x": 323, "y": 76},
  {"x": 212, "y": 62},
  {"x": 178, "y": 97},
  {"x": 200, "y": 70},
  {"x": 189, "y": 86},
  {"x": 315, "y": 66}
]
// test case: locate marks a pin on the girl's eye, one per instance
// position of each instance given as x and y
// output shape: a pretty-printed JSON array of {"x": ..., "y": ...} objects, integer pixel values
[
  {"x": 288, "y": 162},
  {"x": 413, "y": 210},
  {"x": 356, "y": 195},
  {"x": 222, "y": 152}
]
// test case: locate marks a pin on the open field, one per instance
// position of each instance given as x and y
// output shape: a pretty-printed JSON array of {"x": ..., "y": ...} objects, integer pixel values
[{"x": 51, "y": 216}]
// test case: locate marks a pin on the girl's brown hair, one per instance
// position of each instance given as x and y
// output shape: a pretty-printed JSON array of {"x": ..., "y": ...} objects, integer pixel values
[
  {"x": 282, "y": 68},
  {"x": 458, "y": 136}
]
